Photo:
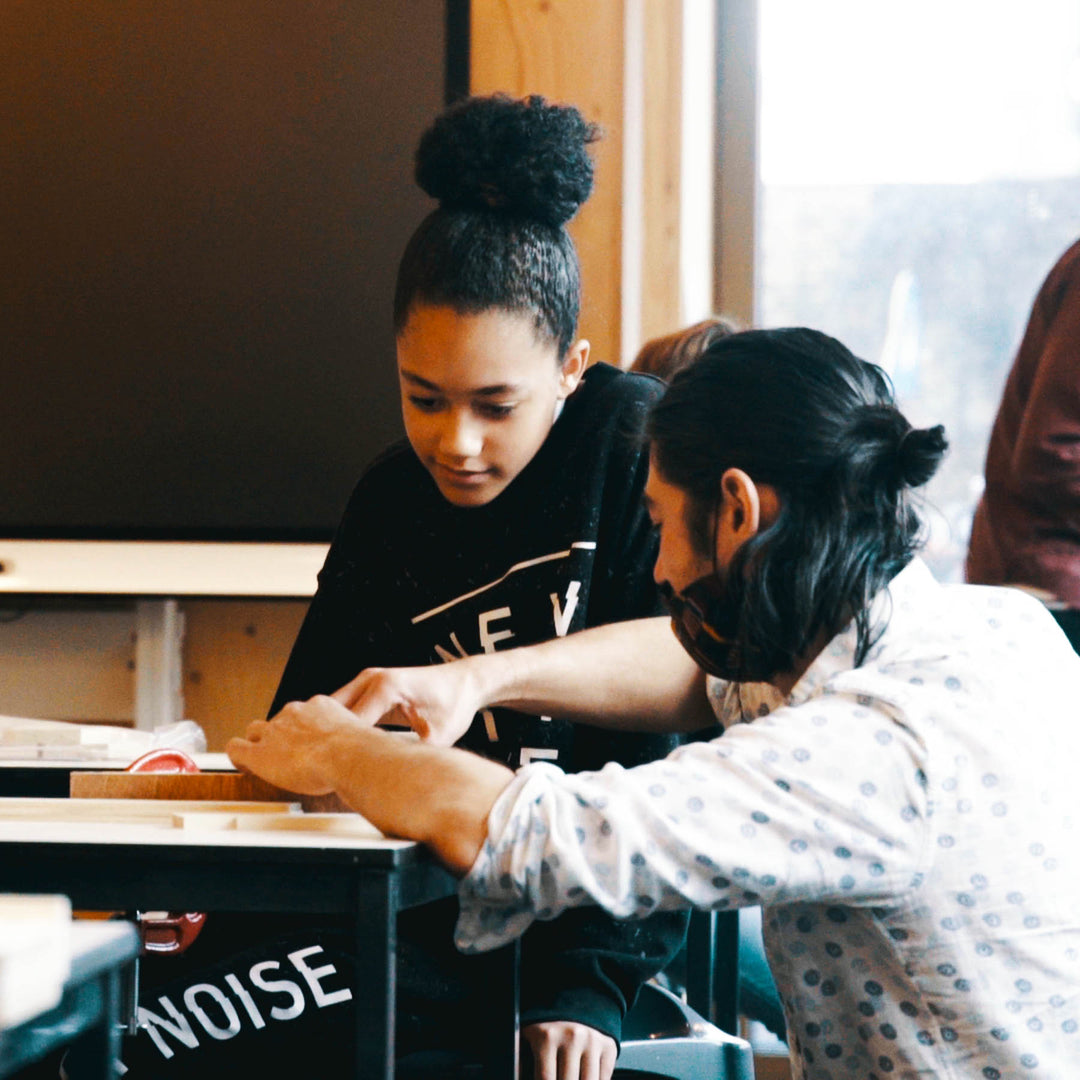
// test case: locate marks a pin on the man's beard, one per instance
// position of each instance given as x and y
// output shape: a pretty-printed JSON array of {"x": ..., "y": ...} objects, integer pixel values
[{"x": 706, "y": 618}]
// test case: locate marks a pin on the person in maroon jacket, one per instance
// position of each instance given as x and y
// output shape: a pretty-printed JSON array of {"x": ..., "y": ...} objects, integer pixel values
[{"x": 1027, "y": 525}]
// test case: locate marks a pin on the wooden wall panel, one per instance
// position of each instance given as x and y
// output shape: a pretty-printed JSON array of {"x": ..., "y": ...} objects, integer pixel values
[
  {"x": 571, "y": 51},
  {"x": 661, "y": 168},
  {"x": 60, "y": 664},
  {"x": 234, "y": 653}
]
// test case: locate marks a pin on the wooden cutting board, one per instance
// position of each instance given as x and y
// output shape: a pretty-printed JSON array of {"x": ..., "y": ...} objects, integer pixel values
[{"x": 209, "y": 786}]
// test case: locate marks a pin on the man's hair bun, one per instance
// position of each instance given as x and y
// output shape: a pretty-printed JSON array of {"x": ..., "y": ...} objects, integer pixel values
[
  {"x": 918, "y": 454},
  {"x": 525, "y": 158}
]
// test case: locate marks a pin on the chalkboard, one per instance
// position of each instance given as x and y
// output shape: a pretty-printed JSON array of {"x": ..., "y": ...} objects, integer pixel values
[{"x": 202, "y": 207}]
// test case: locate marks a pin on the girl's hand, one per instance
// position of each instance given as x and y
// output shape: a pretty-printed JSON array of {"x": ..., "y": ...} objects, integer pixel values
[
  {"x": 437, "y": 702},
  {"x": 563, "y": 1050}
]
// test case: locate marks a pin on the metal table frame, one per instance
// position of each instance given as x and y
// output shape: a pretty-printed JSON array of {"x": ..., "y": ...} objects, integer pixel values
[{"x": 87, "y": 1019}]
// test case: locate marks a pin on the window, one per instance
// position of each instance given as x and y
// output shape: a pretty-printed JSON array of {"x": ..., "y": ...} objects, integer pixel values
[{"x": 914, "y": 179}]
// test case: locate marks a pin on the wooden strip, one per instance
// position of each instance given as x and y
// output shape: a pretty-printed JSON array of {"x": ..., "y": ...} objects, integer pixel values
[
  {"x": 159, "y": 811},
  {"x": 327, "y": 824},
  {"x": 208, "y": 821},
  {"x": 348, "y": 824}
]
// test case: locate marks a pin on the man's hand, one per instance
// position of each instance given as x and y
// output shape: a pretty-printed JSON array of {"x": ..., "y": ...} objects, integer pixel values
[
  {"x": 439, "y": 796},
  {"x": 437, "y": 702},
  {"x": 295, "y": 749},
  {"x": 563, "y": 1050}
]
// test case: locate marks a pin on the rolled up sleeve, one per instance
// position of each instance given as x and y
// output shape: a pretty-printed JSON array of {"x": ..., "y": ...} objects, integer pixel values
[{"x": 827, "y": 799}]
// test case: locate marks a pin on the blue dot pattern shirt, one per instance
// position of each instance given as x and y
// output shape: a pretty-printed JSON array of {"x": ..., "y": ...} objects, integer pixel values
[{"x": 909, "y": 826}]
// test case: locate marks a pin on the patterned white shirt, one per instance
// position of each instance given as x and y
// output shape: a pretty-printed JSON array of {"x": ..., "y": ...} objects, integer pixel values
[{"x": 910, "y": 827}]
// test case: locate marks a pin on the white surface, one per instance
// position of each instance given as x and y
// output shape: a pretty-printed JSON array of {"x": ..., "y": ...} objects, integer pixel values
[
  {"x": 165, "y": 835},
  {"x": 26, "y": 911},
  {"x": 35, "y": 954},
  {"x": 159, "y": 568},
  {"x": 31, "y": 993},
  {"x": 206, "y": 762}
]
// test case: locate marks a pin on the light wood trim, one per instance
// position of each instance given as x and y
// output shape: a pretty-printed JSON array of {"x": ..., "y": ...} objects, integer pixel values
[
  {"x": 569, "y": 51},
  {"x": 130, "y": 811},
  {"x": 622, "y": 63},
  {"x": 661, "y": 301}
]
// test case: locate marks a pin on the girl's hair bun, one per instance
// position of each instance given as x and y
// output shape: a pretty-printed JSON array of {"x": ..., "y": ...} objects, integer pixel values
[{"x": 524, "y": 158}]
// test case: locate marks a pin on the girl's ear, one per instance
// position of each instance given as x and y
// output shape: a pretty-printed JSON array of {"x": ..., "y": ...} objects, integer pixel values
[{"x": 573, "y": 367}]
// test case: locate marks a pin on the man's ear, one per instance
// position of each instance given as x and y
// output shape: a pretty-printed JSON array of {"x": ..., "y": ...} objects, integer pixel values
[
  {"x": 745, "y": 509},
  {"x": 740, "y": 514},
  {"x": 573, "y": 367},
  {"x": 742, "y": 503}
]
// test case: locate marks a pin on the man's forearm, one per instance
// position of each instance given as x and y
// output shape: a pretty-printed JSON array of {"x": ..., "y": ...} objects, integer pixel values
[
  {"x": 438, "y": 795},
  {"x": 632, "y": 675}
]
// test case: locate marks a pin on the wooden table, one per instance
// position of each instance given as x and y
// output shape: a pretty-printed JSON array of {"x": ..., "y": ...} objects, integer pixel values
[
  {"x": 130, "y": 866},
  {"x": 87, "y": 1018}
]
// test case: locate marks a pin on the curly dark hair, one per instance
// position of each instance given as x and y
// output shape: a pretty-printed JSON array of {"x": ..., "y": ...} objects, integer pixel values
[
  {"x": 794, "y": 409},
  {"x": 508, "y": 175}
]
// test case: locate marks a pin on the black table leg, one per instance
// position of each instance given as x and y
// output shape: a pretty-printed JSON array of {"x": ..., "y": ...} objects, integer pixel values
[
  {"x": 505, "y": 1058},
  {"x": 712, "y": 967},
  {"x": 375, "y": 923},
  {"x": 98, "y": 1048}
]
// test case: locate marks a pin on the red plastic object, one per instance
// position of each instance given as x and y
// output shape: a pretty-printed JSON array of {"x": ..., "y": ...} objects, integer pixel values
[
  {"x": 163, "y": 759},
  {"x": 171, "y": 931}
]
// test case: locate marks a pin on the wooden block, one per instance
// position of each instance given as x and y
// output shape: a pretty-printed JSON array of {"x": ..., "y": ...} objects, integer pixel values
[
  {"x": 324, "y": 804},
  {"x": 232, "y": 786},
  {"x": 209, "y": 821}
]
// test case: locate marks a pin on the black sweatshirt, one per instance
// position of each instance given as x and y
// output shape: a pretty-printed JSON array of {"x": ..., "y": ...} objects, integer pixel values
[{"x": 412, "y": 579}]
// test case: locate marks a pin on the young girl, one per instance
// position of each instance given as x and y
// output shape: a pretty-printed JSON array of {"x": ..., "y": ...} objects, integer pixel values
[{"x": 510, "y": 515}]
